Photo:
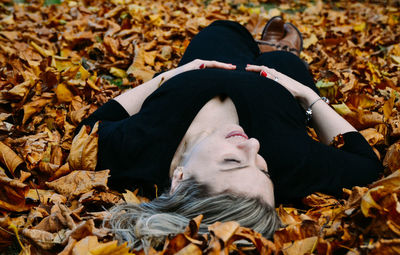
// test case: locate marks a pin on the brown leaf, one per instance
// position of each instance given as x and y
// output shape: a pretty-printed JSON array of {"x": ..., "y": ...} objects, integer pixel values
[
  {"x": 320, "y": 200},
  {"x": 43, "y": 239},
  {"x": 288, "y": 217},
  {"x": 138, "y": 68},
  {"x": 372, "y": 136},
  {"x": 12, "y": 194},
  {"x": 386, "y": 247},
  {"x": 224, "y": 231},
  {"x": 63, "y": 170},
  {"x": 9, "y": 158},
  {"x": 83, "y": 154},
  {"x": 189, "y": 250},
  {"x": 392, "y": 157},
  {"x": 79, "y": 182},
  {"x": 36, "y": 106},
  {"x": 303, "y": 246},
  {"x": 130, "y": 197}
]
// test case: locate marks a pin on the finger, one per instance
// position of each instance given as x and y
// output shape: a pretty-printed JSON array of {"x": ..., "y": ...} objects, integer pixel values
[
  {"x": 216, "y": 64},
  {"x": 254, "y": 68}
]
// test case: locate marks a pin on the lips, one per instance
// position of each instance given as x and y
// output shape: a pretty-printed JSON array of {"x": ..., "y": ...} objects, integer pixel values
[{"x": 237, "y": 133}]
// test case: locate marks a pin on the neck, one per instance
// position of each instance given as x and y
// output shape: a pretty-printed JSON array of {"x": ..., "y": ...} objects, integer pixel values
[{"x": 215, "y": 113}]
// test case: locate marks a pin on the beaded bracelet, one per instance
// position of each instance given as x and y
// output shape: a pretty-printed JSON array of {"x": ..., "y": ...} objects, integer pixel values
[{"x": 309, "y": 110}]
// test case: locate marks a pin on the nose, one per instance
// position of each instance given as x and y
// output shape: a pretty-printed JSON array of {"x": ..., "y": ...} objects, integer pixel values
[
  {"x": 250, "y": 145},
  {"x": 251, "y": 148}
]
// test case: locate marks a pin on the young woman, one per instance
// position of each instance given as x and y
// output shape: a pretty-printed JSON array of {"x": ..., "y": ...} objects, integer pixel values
[{"x": 219, "y": 130}]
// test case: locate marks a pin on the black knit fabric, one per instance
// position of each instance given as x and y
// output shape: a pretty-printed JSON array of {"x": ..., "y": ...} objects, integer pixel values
[{"x": 139, "y": 149}]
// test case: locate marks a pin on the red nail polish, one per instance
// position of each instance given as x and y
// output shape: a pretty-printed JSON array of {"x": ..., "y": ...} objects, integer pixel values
[
  {"x": 202, "y": 66},
  {"x": 263, "y": 73}
]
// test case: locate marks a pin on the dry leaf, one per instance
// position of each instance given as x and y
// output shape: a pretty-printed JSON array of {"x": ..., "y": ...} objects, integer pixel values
[
  {"x": 79, "y": 182},
  {"x": 9, "y": 158},
  {"x": 83, "y": 153}
]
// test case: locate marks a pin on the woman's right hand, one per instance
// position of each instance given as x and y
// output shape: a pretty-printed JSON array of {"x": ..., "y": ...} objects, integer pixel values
[{"x": 301, "y": 92}]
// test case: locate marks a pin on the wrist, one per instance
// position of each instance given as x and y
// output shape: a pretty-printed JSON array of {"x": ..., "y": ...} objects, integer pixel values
[{"x": 307, "y": 97}]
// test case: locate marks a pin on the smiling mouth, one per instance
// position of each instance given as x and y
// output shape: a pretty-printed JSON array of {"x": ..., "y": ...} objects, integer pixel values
[{"x": 237, "y": 133}]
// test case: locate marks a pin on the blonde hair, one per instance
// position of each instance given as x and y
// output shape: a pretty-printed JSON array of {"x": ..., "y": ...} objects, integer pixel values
[{"x": 147, "y": 224}]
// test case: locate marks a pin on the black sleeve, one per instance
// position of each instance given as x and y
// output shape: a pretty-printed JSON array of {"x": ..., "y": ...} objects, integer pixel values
[
  {"x": 328, "y": 170},
  {"x": 353, "y": 164},
  {"x": 110, "y": 111}
]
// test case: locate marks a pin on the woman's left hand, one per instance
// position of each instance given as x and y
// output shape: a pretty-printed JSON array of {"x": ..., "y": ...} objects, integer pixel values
[{"x": 298, "y": 90}]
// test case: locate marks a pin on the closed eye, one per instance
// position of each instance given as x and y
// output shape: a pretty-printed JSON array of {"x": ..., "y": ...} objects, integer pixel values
[{"x": 232, "y": 160}]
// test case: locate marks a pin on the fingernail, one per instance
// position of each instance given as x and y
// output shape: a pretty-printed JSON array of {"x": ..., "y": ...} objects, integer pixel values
[
  {"x": 202, "y": 66},
  {"x": 263, "y": 73}
]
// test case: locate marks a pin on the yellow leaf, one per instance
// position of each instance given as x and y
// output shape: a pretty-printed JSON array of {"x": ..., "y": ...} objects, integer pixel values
[
  {"x": 395, "y": 58},
  {"x": 110, "y": 248},
  {"x": 375, "y": 73},
  {"x": 310, "y": 41},
  {"x": 43, "y": 52},
  {"x": 92, "y": 85},
  {"x": 149, "y": 57},
  {"x": 368, "y": 202},
  {"x": 62, "y": 64},
  {"x": 64, "y": 95},
  {"x": 91, "y": 246},
  {"x": 359, "y": 27},
  {"x": 388, "y": 107},
  {"x": 130, "y": 197},
  {"x": 342, "y": 109},
  {"x": 84, "y": 74},
  {"x": 118, "y": 72}
]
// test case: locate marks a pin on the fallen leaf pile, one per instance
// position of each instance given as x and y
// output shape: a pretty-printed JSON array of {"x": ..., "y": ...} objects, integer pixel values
[{"x": 61, "y": 60}]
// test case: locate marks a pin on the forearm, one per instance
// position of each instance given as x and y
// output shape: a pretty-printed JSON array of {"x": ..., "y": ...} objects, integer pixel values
[
  {"x": 326, "y": 121},
  {"x": 133, "y": 99}
]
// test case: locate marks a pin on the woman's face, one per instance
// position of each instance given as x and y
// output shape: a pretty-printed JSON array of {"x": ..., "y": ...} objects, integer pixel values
[{"x": 227, "y": 160}]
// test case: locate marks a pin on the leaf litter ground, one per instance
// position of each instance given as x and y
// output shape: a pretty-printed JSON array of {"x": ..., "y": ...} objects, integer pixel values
[{"x": 62, "y": 61}]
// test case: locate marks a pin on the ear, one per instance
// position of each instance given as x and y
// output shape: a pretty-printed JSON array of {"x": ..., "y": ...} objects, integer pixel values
[{"x": 177, "y": 177}]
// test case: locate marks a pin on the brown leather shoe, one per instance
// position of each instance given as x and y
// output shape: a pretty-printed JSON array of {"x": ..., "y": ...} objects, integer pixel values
[
  {"x": 293, "y": 41},
  {"x": 272, "y": 33}
]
